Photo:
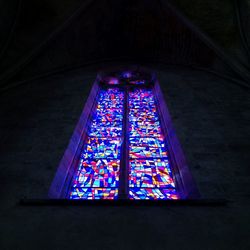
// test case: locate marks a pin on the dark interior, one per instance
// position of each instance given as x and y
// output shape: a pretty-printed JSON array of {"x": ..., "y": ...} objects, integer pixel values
[{"x": 50, "y": 54}]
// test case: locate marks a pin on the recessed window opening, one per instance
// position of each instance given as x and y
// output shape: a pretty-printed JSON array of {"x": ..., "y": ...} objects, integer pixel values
[{"x": 121, "y": 148}]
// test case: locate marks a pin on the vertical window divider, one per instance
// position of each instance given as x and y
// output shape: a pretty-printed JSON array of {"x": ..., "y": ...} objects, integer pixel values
[{"x": 124, "y": 162}]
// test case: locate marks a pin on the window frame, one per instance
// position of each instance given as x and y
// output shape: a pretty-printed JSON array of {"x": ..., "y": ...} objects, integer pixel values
[{"x": 61, "y": 183}]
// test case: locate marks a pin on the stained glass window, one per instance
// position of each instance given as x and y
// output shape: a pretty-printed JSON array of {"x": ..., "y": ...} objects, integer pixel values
[
  {"x": 97, "y": 176},
  {"x": 124, "y": 152},
  {"x": 150, "y": 175}
]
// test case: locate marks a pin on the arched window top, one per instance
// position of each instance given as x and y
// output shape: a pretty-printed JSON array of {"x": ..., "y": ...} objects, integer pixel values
[{"x": 126, "y": 78}]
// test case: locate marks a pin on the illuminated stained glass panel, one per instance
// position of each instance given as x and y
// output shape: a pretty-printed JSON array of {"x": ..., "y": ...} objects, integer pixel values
[
  {"x": 147, "y": 152},
  {"x": 94, "y": 193},
  {"x": 96, "y": 124},
  {"x": 137, "y": 104},
  {"x": 150, "y": 173},
  {"x": 108, "y": 112},
  {"x": 105, "y": 131},
  {"x": 153, "y": 194},
  {"x": 115, "y": 104},
  {"x": 150, "y": 176},
  {"x": 97, "y": 173},
  {"x": 96, "y": 148},
  {"x": 136, "y": 115},
  {"x": 146, "y": 128},
  {"x": 140, "y": 94},
  {"x": 97, "y": 176},
  {"x": 108, "y": 115},
  {"x": 112, "y": 94},
  {"x": 146, "y": 103},
  {"x": 147, "y": 142}
]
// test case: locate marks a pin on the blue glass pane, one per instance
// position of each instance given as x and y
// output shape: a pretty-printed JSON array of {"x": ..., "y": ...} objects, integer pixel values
[
  {"x": 147, "y": 152},
  {"x": 137, "y": 104},
  {"x": 141, "y": 94},
  {"x": 147, "y": 142},
  {"x": 153, "y": 194},
  {"x": 109, "y": 115},
  {"x": 102, "y": 148},
  {"x": 146, "y": 128},
  {"x": 115, "y": 104},
  {"x": 112, "y": 94},
  {"x": 106, "y": 131},
  {"x": 97, "y": 176},
  {"x": 150, "y": 173},
  {"x": 96, "y": 124},
  {"x": 94, "y": 193},
  {"x": 137, "y": 115},
  {"x": 97, "y": 173}
]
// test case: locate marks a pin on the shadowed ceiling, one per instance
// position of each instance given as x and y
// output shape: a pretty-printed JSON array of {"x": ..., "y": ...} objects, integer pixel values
[{"x": 41, "y": 36}]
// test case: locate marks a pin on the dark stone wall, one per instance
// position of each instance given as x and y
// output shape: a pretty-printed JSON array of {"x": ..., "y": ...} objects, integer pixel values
[
  {"x": 211, "y": 118},
  {"x": 24, "y": 24}
]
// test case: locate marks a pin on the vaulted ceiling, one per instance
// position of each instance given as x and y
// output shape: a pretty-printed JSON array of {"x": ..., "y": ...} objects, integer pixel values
[{"x": 40, "y": 36}]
